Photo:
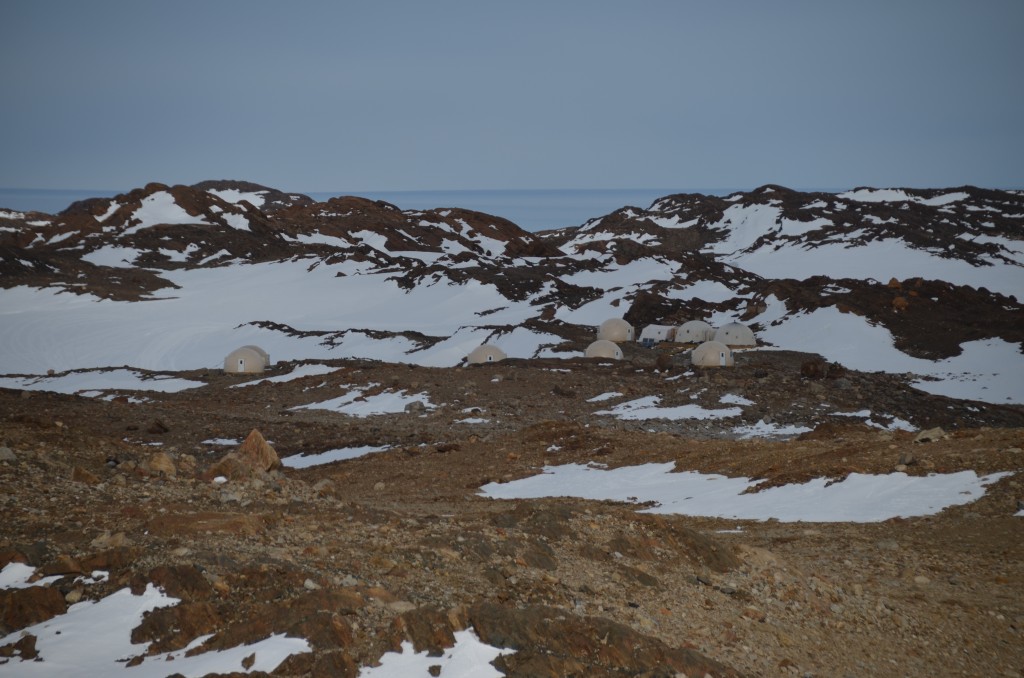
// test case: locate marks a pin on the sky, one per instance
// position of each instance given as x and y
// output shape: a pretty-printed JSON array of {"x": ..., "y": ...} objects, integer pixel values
[{"x": 477, "y": 94}]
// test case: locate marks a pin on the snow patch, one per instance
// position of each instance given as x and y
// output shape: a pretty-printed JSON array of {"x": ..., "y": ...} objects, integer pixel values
[{"x": 859, "y": 498}]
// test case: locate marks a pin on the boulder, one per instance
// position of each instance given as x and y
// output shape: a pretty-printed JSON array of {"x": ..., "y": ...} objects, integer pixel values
[
  {"x": 931, "y": 435},
  {"x": 160, "y": 464},
  {"x": 254, "y": 457},
  {"x": 258, "y": 452}
]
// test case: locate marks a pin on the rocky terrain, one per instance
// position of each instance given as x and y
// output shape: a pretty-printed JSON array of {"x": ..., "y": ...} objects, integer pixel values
[
  {"x": 180, "y": 488},
  {"x": 358, "y": 555}
]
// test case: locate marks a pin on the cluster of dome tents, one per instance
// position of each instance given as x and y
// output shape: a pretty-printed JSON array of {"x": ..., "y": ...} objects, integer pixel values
[{"x": 713, "y": 346}]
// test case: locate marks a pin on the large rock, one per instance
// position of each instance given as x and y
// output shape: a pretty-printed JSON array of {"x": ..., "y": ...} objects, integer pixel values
[
  {"x": 258, "y": 452},
  {"x": 160, "y": 464},
  {"x": 254, "y": 457}
]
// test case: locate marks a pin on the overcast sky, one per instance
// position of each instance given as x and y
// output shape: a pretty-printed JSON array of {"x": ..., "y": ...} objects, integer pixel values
[{"x": 378, "y": 95}]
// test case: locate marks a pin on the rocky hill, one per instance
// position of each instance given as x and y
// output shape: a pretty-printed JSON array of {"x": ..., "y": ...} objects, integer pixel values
[{"x": 387, "y": 511}]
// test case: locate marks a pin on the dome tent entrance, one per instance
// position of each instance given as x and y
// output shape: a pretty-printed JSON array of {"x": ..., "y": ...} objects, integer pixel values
[{"x": 247, "y": 360}]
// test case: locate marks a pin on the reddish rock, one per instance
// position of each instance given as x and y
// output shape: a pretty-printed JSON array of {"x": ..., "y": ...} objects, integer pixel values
[
  {"x": 427, "y": 628},
  {"x": 172, "y": 628},
  {"x": 111, "y": 559},
  {"x": 184, "y": 582},
  {"x": 258, "y": 452},
  {"x": 24, "y": 607},
  {"x": 317, "y": 616},
  {"x": 160, "y": 464},
  {"x": 62, "y": 564},
  {"x": 80, "y": 475},
  {"x": 24, "y": 648},
  {"x": 253, "y": 457}
]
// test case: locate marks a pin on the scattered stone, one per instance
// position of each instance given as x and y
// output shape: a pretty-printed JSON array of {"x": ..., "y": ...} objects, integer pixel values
[
  {"x": 931, "y": 435},
  {"x": 7, "y": 454},
  {"x": 110, "y": 541},
  {"x": 416, "y": 407},
  {"x": 157, "y": 428},
  {"x": 324, "y": 487},
  {"x": 754, "y": 614},
  {"x": 922, "y": 580},
  {"x": 379, "y": 486},
  {"x": 400, "y": 606},
  {"x": 906, "y": 458},
  {"x": 311, "y": 585},
  {"x": 81, "y": 475},
  {"x": 159, "y": 464},
  {"x": 187, "y": 464}
]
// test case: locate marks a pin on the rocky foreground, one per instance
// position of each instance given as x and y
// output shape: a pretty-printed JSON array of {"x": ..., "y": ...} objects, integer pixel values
[{"x": 358, "y": 556}]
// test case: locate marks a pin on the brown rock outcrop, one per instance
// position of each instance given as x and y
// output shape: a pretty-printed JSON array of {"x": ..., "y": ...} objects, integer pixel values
[{"x": 23, "y": 607}]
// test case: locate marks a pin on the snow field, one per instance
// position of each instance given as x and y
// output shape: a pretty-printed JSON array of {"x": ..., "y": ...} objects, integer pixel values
[{"x": 859, "y": 498}]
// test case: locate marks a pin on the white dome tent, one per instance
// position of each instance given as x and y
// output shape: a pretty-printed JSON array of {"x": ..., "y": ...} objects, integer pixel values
[
  {"x": 655, "y": 334},
  {"x": 485, "y": 353},
  {"x": 712, "y": 354},
  {"x": 247, "y": 360},
  {"x": 694, "y": 332},
  {"x": 616, "y": 329},
  {"x": 735, "y": 334},
  {"x": 602, "y": 348}
]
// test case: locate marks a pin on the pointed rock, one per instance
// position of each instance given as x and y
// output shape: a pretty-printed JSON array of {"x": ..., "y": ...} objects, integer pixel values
[
  {"x": 253, "y": 457},
  {"x": 258, "y": 452}
]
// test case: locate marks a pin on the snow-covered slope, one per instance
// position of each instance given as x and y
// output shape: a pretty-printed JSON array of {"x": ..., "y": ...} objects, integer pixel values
[{"x": 173, "y": 278}]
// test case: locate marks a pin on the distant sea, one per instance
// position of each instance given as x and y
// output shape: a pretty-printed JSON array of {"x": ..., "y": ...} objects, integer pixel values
[{"x": 532, "y": 210}]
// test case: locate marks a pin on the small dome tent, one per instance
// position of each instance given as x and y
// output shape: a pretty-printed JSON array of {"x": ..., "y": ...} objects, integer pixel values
[
  {"x": 694, "y": 332},
  {"x": 485, "y": 353},
  {"x": 735, "y": 334},
  {"x": 655, "y": 334},
  {"x": 615, "y": 329},
  {"x": 712, "y": 354},
  {"x": 247, "y": 360},
  {"x": 602, "y": 348}
]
